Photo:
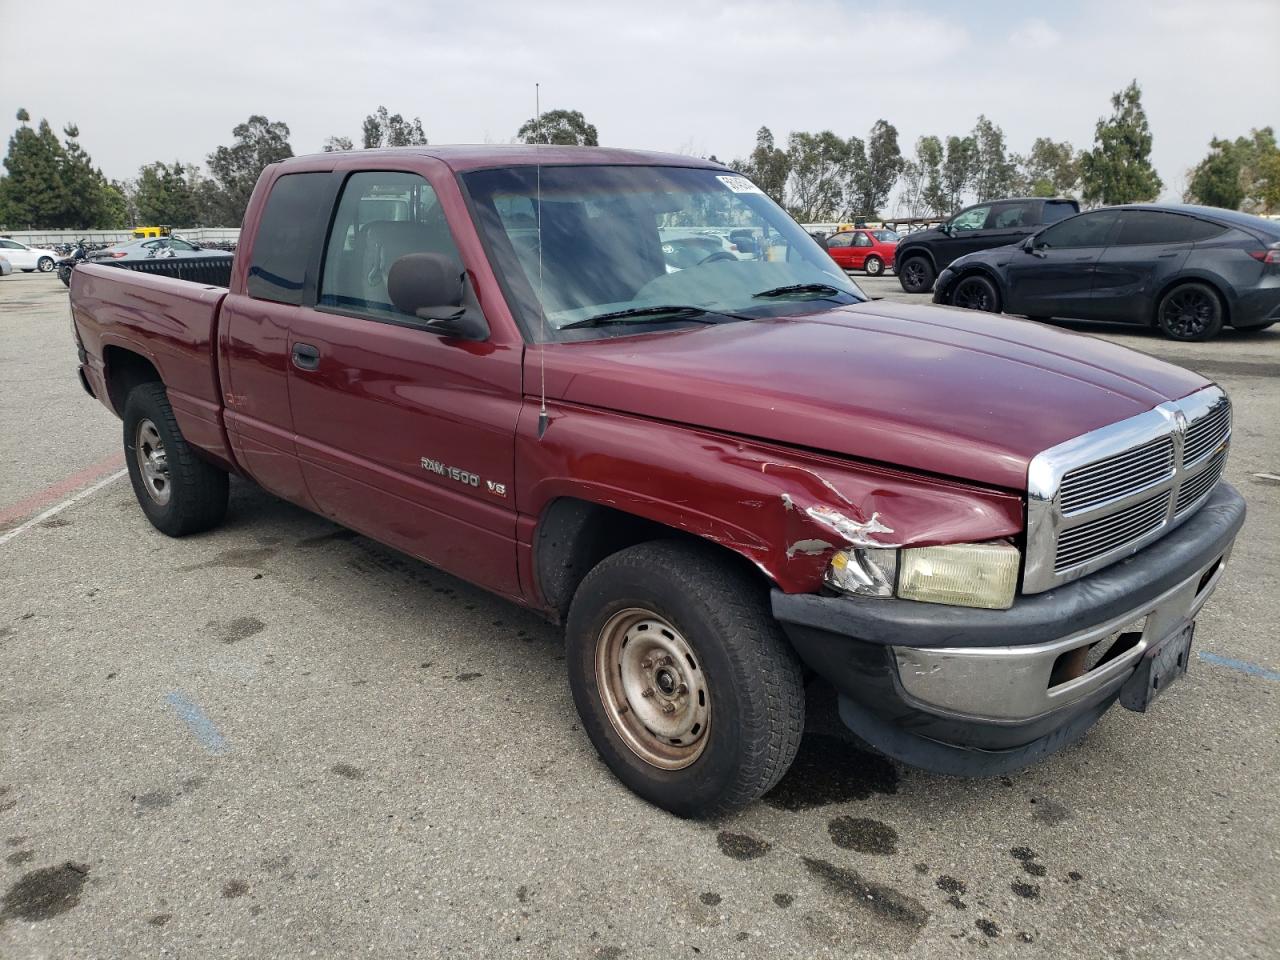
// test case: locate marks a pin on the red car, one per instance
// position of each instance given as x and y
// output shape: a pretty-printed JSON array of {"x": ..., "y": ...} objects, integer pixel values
[{"x": 869, "y": 250}]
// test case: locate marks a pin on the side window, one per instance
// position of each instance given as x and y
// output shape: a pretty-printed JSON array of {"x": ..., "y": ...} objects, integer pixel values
[
  {"x": 1055, "y": 210},
  {"x": 973, "y": 219},
  {"x": 291, "y": 225},
  {"x": 1011, "y": 215},
  {"x": 381, "y": 217},
  {"x": 1086, "y": 230},
  {"x": 1149, "y": 226},
  {"x": 1203, "y": 229},
  {"x": 862, "y": 240},
  {"x": 840, "y": 240}
]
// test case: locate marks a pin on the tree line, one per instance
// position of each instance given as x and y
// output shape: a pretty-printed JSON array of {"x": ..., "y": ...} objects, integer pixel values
[{"x": 51, "y": 182}]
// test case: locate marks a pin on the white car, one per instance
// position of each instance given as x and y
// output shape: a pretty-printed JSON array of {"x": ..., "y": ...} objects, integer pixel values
[{"x": 27, "y": 258}]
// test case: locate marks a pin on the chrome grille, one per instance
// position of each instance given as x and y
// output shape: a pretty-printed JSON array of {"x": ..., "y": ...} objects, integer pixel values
[
  {"x": 1109, "y": 531},
  {"x": 1193, "y": 489},
  {"x": 1206, "y": 433},
  {"x": 1100, "y": 497},
  {"x": 1124, "y": 473}
]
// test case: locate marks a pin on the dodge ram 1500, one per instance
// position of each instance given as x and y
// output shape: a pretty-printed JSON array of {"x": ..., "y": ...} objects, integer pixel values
[{"x": 981, "y": 531}]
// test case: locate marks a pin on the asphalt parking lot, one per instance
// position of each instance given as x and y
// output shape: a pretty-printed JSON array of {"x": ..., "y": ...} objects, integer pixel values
[{"x": 283, "y": 740}]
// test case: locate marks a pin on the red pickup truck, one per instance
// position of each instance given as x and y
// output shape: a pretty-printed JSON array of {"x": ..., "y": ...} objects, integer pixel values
[{"x": 719, "y": 477}]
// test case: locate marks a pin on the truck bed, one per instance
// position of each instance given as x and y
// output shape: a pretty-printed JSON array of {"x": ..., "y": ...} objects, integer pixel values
[{"x": 169, "y": 322}]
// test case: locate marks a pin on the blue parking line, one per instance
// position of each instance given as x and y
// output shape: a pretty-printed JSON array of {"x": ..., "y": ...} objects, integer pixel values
[
  {"x": 201, "y": 727},
  {"x": 1244, "y": 666}
]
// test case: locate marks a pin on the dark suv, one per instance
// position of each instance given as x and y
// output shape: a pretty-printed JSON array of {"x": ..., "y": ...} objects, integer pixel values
[
  {"x": 1186, "y": 270},
  {"x": 993, "y": 223}
]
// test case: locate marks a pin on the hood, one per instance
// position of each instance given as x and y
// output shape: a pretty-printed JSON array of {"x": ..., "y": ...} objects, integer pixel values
[
  {"x": 936, "y": 389},
  {"x": 932, "y": 233}
]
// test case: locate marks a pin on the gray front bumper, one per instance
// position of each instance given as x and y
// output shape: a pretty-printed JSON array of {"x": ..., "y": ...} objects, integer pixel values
[{"x": 971, "y": 691}]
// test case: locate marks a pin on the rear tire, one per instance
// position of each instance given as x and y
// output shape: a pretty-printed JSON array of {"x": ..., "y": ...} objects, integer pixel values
[
  {"x": 1190, "y": 312},
  {"x": 180, "y": 493},
  {"x": 874, "y": 266},
  {"x": 916, "y": 275},
  {"x": 683, "y": 679}
]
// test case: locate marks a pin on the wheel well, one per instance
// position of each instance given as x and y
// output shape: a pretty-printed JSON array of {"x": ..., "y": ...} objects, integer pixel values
[
  {"x": 125, "y": 370},
  {"x": 900, "y": 258},
  {"x": 1182, "y": 282},
  {"x": 574, "y": 535}
]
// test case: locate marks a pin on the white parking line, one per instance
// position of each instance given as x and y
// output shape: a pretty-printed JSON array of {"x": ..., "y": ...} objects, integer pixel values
[{"x": 59, "y": 507}]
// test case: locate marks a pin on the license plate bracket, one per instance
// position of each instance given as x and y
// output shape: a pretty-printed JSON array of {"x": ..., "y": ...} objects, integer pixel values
[{"x": 1164, "y": 663}]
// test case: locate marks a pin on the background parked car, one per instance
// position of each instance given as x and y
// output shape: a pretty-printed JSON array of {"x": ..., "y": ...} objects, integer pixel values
[
  {"x": 27, "y": 258},
  {"x": 156, "y": 247},
  {"x": 1187, "y": 270},
  {"x": 869, "y": 250},
  {"x": 993, "y": 223}
]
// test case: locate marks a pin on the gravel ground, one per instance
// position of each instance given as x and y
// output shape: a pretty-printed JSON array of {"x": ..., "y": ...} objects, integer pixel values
[{"x": 282, "y": 740}]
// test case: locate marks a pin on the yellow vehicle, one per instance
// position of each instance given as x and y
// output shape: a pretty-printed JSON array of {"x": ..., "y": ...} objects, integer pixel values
[{"x": 146, "y": 233}]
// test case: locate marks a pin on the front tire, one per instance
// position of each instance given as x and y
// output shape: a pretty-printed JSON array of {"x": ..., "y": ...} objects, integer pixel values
[
  {"x": 682, "y": 678},
  {"x": 1190, "y": 312},
  {"x": 976, "y": 292},
  {"x": 874, "y": 266},
  {"x": 44, "y": 264},
  {"x": 916, "y": 275},
  {"x": 180, "y": 493}
]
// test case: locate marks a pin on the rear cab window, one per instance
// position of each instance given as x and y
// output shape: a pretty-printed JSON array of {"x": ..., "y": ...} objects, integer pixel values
[{"x": 283, "y": 261}]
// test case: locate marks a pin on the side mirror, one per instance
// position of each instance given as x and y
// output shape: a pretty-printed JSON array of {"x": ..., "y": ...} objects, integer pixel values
[
  {"x": 945, "y": 228},
  {"x": 433, "y": 287}
]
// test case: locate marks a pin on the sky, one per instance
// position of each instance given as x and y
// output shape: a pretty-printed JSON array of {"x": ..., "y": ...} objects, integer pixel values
[{"x": 168, "y": 82}]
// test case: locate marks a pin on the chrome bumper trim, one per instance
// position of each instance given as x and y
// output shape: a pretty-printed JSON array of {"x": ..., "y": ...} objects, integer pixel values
[{"x": 1011, "y": 684}]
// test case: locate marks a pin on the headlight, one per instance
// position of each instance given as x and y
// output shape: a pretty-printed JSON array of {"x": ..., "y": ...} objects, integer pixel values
[{"x": 961, "y": 574}]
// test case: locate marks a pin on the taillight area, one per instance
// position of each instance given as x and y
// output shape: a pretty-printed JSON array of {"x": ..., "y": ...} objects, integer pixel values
[
  {"x": 118, "y": 254},
  {"x": 1269, "y": 255}
]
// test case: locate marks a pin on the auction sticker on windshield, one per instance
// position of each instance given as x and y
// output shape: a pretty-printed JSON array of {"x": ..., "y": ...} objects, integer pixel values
[{"x": 739, "y": 184}]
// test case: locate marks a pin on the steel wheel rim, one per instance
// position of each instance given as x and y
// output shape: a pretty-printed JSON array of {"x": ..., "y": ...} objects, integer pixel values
[
  {"x": 1188, "y": 313},
  {"x": 972, "y": 295},
  {"x": 153, "y": 463},
  {"x": 653, "y": 688},
  {"x": 874, "y": 266}
]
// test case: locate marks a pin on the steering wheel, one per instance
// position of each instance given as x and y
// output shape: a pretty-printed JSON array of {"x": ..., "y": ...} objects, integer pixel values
[{"x": 717, "y": 256}]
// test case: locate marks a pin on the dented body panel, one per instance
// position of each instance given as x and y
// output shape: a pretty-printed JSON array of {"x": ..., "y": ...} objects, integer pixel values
[{"x": 785, "y": 510}]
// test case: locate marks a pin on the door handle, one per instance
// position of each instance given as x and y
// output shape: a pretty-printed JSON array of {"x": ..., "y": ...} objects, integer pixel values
[{"x": 306, "y": 357}]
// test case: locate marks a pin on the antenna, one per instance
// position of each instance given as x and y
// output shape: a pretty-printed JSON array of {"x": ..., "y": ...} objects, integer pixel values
[{"x": 542, "y": 309}]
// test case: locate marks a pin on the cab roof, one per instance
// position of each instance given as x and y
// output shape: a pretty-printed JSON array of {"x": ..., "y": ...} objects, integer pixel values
[{"x": 461, "y": 157}]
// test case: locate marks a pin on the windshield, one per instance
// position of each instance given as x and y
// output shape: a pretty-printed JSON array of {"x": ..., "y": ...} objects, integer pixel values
[{"x": 628, "y": 238}]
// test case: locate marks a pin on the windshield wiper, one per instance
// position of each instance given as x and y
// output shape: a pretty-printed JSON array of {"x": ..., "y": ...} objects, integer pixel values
[
  {"x": 655, "y": 314},
  {"x": 799, "y": 288}
]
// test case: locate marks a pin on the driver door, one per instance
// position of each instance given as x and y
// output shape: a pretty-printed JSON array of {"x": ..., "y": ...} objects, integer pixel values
[
  {"x": 403, "y": 434},
  {"x": 1054, "y": 278}
]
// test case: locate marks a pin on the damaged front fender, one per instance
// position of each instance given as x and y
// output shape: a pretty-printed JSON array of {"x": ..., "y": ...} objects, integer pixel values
[{"x": 786, "y": 511}]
